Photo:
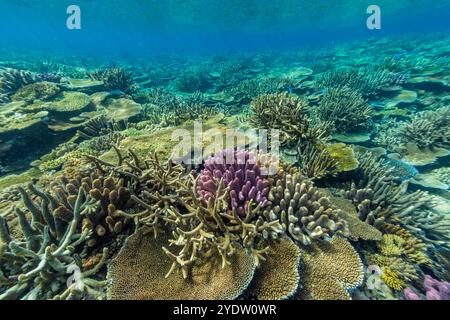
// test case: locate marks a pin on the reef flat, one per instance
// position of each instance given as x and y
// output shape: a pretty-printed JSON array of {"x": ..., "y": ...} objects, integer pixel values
[{"x": 353, "y": 202}]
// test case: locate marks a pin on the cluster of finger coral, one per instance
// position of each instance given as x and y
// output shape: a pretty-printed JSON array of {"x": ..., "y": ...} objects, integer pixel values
[
  {"x": 305, "y": 213},
  {"x": 346, "y": 109},
  {"x": 108, "y": 197}
]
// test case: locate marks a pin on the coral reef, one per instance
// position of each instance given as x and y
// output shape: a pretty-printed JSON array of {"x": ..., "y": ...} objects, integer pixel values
[{"x": 346, "y": 109}]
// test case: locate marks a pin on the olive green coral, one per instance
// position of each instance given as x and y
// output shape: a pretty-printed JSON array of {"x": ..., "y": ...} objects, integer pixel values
[{"x": 330, "y": 270}]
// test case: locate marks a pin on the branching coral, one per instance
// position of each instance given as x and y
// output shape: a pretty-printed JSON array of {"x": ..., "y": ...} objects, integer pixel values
[
  {"x": 345, "y": 109},
  {"x": 428, "y": 129},
  {"x": 378, "y": 198},
  {"x": 12, "y": 79},
  {"x": 286, "y": 113},
  {"x": 305, "y": 213},
  {"x": 36, "y": 266},
  {"x": 366, "y": 81},
  {"x": 116, "y": 79},
  {"x": 108, "y": 197}
]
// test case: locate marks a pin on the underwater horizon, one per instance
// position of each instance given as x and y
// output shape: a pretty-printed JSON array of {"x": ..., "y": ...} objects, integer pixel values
[{"x": 225, "y": 150}]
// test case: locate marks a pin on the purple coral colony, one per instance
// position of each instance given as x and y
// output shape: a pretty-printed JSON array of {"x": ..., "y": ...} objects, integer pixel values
[{"x": 355, "y": 205}]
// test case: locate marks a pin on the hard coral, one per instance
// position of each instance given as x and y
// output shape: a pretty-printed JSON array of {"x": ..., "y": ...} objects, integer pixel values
[
  {"x": 345, "y": 109},
  {"x": 238, "y": 171},
  {"x": 305, "y": 213},
  {"x": 286, "y": 113},
  {"x": 137, "y": 273},
  {"x": 330, "y": 270},
  {"x": 278, "y": 276},
  {"x": 35, "y": 265}
]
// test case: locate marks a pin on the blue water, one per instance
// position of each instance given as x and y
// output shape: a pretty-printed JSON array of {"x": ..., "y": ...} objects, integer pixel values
[{"x": 138, "y": 27}]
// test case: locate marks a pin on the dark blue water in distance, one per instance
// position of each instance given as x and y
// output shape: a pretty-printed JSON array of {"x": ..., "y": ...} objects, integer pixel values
[{"x": 138, "y": 27}]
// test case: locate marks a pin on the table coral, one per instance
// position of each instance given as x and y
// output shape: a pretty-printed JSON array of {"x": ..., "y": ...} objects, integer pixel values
[
  {"x": 278, "y": 276},
  {"x": 330, "y": 270},
  {"x": 138, "y": 273}
]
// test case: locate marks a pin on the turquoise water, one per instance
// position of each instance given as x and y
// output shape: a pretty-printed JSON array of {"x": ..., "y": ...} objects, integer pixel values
[{"x": 233, "y": 149}]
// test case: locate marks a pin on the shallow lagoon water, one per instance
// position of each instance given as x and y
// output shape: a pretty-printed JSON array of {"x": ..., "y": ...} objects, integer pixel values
[{"x": 119, "y": 179}]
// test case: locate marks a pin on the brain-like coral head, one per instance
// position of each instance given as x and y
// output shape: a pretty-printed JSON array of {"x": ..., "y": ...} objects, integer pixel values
[{"x": 239, "y": 171}]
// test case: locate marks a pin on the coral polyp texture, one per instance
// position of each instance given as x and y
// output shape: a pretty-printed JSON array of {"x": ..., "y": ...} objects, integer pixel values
[{"x": 309, "y": 173}]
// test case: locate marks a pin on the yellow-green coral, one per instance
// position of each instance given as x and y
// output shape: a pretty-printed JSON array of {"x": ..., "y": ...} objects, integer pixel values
[{"x": 392, "y": 280}]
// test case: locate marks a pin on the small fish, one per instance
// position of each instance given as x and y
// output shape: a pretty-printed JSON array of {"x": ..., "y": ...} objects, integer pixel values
[
  {"x": 290, "y": 89},
  {"x": 402, "y": 170},
  {"x": 116, "y": 93}
]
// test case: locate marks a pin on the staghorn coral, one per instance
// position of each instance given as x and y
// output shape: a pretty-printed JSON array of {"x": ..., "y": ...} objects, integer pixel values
[
  {"x": 345, "y": 109},
  {"x": 116, "y": 79},
  {"x": 428, "y": 129},
  {"x": 329, "y": 270},
  {"x": 278, "y": 276},
  {"x": 238, "y": 171},
  {"x": 366, "y": 81},
  {"x": 392, "y": 280},
  {"x": 12, "y": 79},
  {"x": 378, "y": 198},
  {"x": 100, "y": 126},
  {"x": 291, "y": 118},
  {"x": 315, "y": 161},
  {"x": 305, "y": 214},
  {"x": 137, "y": 273},
  {"x": 35, "y": 265}
]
